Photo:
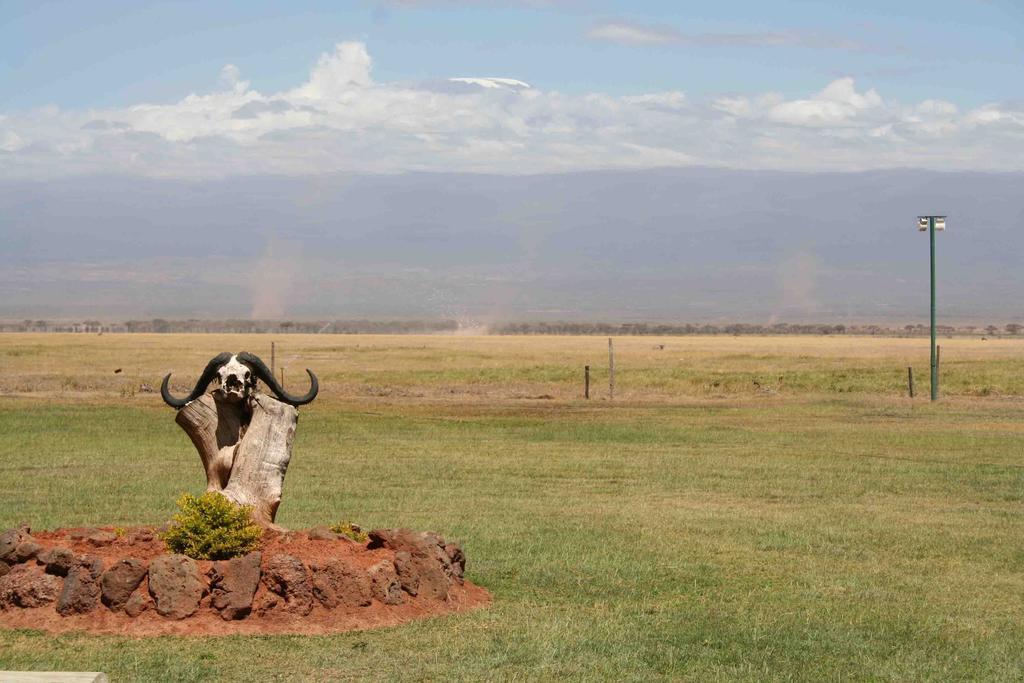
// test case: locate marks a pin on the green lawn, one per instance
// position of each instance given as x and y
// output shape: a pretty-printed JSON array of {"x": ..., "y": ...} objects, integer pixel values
[{"x": 833, "y": 536}]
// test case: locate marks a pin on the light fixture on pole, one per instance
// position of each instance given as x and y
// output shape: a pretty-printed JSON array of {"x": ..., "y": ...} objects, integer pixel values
[{"x": 931, "y": 224}]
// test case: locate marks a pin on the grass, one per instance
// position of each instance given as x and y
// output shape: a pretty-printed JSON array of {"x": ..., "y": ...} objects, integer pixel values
[{"x": 820, "y": 527}]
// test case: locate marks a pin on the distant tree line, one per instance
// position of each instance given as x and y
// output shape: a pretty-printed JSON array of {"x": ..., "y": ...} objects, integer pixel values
[
  {"x": 661, "y": 329},
  {"x": 161, "y": 325}
]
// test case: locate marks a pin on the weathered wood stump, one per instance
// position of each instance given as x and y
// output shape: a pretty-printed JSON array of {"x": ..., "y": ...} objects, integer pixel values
[{"x": 244, "y": 437}]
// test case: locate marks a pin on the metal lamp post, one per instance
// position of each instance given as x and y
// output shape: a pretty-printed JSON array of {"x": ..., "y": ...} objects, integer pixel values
[{"x": 931, "y": 224}]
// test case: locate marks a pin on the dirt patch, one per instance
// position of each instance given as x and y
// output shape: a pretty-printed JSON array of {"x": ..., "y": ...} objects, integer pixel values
[{"x": 331, "y": 584}]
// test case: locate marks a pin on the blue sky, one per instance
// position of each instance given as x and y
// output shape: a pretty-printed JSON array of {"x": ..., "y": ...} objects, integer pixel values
[
  {"x": 71, "y": 59},
  {"x": 113, "y": 53}
]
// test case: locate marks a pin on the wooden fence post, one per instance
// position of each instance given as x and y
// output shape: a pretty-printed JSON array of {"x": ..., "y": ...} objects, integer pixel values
[
  {"x": 910, "y": 380},
  {"x": 611, "y": 370},
  {"x": 586, "y": 381},
  {"x": 272, "y": 354}
]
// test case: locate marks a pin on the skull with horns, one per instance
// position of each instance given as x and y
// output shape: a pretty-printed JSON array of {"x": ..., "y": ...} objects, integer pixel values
[{"x": 237, "y": 376}]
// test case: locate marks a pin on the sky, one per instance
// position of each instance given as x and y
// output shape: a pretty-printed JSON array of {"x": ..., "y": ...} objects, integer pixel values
[{"x": 200, "y": 89}]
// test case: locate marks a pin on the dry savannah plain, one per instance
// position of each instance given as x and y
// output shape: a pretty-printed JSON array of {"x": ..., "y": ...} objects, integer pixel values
[{"x": 745, "y": 508}]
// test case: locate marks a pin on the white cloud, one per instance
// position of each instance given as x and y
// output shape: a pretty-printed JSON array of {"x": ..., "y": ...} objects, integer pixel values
[
  {"x": 839, "y": 104},
  {"x": 492, "y": 82},
  {"x": 632, "y": 34},
  {"x": 11, "y": 142},
  {"x": 666, "y": 100},
  {"x": 340, "y": 119},
  {"x": 625, "y": 33},
  {"x": 337, "y": 74},
  {"x": 232, "y": 78},
  {"x": 993, "y": 114}
]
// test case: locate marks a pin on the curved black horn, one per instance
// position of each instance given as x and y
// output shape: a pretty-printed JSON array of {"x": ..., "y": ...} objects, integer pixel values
[
  {"x": 208, "y": 374},
  {"x": 264, "y": 373}
]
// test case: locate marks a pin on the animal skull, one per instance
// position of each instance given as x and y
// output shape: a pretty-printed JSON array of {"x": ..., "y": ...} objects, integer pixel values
[
  {"x": 236, "y": 381},
  {"x": 237, "y": 375}
]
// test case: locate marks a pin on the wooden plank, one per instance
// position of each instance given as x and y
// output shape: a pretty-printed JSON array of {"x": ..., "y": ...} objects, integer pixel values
[{"x": 53, "y": 677}]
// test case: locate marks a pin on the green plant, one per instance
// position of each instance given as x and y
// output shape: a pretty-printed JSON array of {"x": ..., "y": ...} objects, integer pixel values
[
  {"x": 350, "y": 530},
  {"x": 211, "y": 527}
]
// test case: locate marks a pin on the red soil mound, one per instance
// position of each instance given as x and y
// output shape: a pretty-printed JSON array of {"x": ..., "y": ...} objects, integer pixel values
[{"x": 124, "y": 582}]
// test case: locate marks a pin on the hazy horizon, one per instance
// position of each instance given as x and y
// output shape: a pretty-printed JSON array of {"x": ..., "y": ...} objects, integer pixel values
[
  {"x": 519, "y": 160},
  {"x": 690, "y": 245}
]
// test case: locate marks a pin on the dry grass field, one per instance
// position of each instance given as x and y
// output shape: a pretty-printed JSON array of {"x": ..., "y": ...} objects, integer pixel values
[
  {"x": 745, "y": 509},
  {"x": 649, "y": 369}
]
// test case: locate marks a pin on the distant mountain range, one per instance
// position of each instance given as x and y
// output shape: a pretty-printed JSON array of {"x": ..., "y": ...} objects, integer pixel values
[{"x": 692, "y": 245}]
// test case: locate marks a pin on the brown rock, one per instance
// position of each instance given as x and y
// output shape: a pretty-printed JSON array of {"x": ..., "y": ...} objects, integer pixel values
[
  {"x": 436, "y": 576},
  {"x": 80, "y": 593},
  {"x": 101, "y": 538},
  {"x": 119, "y": 582},
  {"x": 338, "y": 583},
  {"x": 10, "y": 540},
  {"x": 384, "y": 584},
  {"x": 137, "y": 604},
  {"x": 4, "y": 568},
  {"x": 421, "y": 561},
  {"x": 442, "y": 551},
  {"x": 58, "y": 561},
  {"x": 321, "y": 533},
  {"x": 265, "y": 603},
  {"x": 234, "y": 584},
  {"x": 405, "y": 539},
  {"x": 287, "y": 577},
  {"x": 176, "y": 585},
  {"x": 91, "y": 563},
  {"x": 457, "y": 559},
  {"x": 408, "y": 575},
  {"x": 389, "y": 538},
  {"x": 27, "y": 586},
  {"x": 25, "y": 551},
  {"x": 141, "y": 536}
]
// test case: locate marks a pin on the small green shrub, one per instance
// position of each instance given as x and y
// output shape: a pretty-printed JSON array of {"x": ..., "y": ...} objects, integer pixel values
[
  {"x": 350, "y": 530},
  {"x": 211, "y": 527}
]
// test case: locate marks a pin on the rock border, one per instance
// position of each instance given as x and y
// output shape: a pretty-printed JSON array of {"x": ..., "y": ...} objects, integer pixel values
[{"x": 79, "y": 576}]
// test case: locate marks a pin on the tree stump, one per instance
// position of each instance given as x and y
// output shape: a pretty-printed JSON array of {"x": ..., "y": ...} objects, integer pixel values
[
  {"x": 261, "y": 459},
  {"x": 243, "y": 437},
  {"x": 245, "y": 448}
]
